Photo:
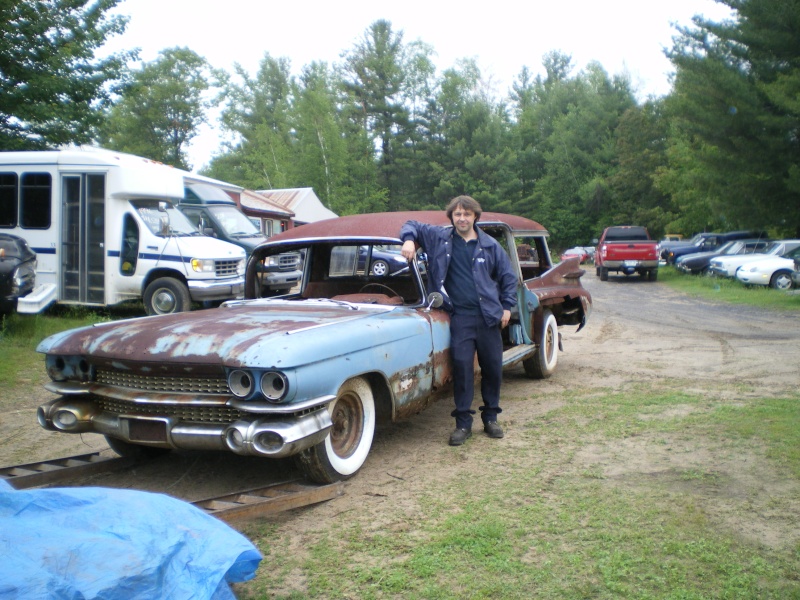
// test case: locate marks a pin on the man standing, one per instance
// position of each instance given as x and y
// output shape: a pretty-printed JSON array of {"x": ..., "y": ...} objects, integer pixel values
[{"x": 474, "y": 274}]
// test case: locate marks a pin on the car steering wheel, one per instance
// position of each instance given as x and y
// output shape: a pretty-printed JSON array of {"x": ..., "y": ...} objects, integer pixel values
[{"x": 380, "y": 286}]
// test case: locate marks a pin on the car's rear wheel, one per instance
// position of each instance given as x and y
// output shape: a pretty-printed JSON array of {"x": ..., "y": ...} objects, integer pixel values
[
  {"x": 129, "y": 450},
  {"x": 345, "y": 449},
  {"x": 543, "y": 363},
  {"x": 603, "y": 274},
  {"x": 380, "y": 268},
  {"x": 652, "y": 274},
  {"x": 781, "y": 280}
]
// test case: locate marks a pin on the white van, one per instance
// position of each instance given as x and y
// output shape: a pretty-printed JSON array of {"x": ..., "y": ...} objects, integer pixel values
[{"x": 105, "y": 229}]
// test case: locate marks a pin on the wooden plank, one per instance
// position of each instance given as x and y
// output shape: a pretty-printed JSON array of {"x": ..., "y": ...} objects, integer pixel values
[
  {"x": 60, "y": 469},
  {"x": 250, "y": 504}
]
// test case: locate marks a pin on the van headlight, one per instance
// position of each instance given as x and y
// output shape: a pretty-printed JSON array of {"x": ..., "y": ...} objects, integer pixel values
[{"x": 203, "y": 265}]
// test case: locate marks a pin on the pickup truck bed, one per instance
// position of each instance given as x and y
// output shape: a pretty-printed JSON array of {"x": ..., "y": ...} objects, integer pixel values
[{"x": 627, "y": 250}]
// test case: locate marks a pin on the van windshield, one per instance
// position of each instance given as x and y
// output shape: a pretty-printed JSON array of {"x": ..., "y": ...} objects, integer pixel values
[
  {"x": 163, "y": 219},
  {"x": 234, "y": 222}
]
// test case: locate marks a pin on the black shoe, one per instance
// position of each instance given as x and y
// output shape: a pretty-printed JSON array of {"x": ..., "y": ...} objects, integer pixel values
[
  {"x": 459, "y": 436},
  {"x": 493, "y": 430}
]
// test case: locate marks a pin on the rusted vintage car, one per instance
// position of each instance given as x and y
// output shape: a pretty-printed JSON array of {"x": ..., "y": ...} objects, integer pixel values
[{"x": 307, "y": 374}]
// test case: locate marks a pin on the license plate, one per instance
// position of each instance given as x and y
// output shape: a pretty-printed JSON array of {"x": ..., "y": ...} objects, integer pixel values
[
  {"x": 630, "y": 263},
  {"x": 147, "y": 431}
]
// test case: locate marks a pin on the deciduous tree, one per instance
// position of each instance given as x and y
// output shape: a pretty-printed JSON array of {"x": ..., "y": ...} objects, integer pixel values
[
  {"x": 162, "y": 108},
  {"x": 51, "y": 81}
]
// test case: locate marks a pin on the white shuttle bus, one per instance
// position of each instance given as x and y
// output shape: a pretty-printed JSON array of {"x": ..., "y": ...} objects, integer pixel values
[{"x": 105, "y": 229}]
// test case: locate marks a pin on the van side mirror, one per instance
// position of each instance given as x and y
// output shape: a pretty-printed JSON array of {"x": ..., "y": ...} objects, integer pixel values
[{"x": 164, "y": 225}]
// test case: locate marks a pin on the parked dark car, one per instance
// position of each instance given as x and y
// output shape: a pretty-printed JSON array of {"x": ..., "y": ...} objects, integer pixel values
[
  {"x": 17, "y": 271},
  {"x": 706, "y": 242},
  {"x": 383, "y": 260},
  {"x": 699, "y": 262}
]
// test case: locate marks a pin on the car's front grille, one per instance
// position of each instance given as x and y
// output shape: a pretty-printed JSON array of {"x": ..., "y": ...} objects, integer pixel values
[
  {"x": 226, "y": 268},
  {"x": 189, "y": 413},
  {"x": 288, "y": 262},
  {"x": 164, "y": 384}
]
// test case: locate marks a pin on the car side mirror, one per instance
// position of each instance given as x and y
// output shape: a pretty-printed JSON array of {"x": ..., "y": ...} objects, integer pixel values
[{"x": 434, "y": 300}]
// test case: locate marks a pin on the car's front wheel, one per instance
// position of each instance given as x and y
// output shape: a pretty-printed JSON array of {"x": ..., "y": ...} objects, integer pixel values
[
  {"x": 543, "y": 363},
  {"x": 345, "y": 449},
  {"x": 781, "y": 280}
]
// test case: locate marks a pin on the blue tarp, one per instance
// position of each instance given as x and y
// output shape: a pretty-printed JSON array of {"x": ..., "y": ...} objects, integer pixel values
[{"x": 81, "y": 543}]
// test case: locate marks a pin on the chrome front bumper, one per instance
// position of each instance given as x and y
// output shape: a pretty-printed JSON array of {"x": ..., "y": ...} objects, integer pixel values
[
  {"x": 253, "y": 435},
  {"x": 225, "y": 289}
]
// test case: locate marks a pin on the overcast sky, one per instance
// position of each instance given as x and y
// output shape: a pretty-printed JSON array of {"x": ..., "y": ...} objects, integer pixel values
[{"x": 625, "y": 36}]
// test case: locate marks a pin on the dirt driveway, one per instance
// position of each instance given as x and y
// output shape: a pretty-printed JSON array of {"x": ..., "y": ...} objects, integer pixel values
[{"x": 639, "y": 333}]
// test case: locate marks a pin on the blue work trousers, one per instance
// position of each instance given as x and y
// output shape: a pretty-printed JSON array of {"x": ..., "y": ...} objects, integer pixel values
[{"x": 470, "y": 334}]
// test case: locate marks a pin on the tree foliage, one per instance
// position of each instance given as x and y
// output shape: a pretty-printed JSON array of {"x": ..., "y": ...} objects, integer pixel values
[
  {"x": 161, "y": 109},
  {"x": 51, "y": 82},
  {"x": 734, "y": 113}
]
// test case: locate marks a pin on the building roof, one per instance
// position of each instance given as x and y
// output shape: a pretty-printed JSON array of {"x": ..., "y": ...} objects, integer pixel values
[
  {"x": 254, "y": 201},
  {"x": 305, "y": 204}
]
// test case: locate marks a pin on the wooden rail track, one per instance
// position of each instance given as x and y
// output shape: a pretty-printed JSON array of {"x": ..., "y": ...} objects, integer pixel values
[{"x": 244, "y": 504}]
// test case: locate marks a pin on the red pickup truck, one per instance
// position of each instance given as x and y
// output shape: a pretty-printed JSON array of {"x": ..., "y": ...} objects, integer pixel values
[{"x": 627, "y": 249}]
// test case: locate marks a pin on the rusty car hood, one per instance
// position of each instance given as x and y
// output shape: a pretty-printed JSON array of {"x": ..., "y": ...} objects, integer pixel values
[{"x": 263, "y": 331}]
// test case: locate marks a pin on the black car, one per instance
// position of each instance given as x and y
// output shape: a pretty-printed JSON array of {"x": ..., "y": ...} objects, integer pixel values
[{"x": 17, "y": 271}]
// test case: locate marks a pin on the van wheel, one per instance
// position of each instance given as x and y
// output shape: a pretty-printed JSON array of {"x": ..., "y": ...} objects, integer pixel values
[
  {"x": 345, "y": 449},
  {"x": 166, "y": 295},
  {"x": 543, "y": 363}
]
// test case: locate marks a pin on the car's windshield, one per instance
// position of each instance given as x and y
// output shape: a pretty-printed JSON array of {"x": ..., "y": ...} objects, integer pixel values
[
  {"x": 730, "y": 248},
  {"x": 163, "y": 219},
  {"x": 696, "y": 239},
  {"x": 793, "y": 253},
  {"x": 234, "y": 222}
]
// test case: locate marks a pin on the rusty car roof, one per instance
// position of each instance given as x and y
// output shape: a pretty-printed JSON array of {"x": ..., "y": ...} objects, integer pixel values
[{"x": 388, "y": 224}]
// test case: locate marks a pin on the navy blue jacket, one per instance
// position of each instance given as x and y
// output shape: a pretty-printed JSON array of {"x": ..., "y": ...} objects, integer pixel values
[{"x": 495, "y": 280}]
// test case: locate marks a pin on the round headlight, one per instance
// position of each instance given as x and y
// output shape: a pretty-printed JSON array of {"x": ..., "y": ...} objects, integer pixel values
[
  {"x": 241, "y": 383},
  {"x": 274, "y": 385}
]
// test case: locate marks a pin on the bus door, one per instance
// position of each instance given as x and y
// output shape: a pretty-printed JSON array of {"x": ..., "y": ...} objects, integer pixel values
[{"x": 83, "y": 238}]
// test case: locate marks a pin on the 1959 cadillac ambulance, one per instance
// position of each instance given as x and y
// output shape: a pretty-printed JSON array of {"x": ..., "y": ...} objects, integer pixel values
[{"x": 309, "y": 373}]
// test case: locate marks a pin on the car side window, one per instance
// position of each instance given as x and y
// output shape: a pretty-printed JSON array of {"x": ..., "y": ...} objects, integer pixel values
[{"x": 374, "y": 260}]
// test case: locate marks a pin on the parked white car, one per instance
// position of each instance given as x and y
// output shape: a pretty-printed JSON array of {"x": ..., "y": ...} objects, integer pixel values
[
  {"x": 775, "y": 271},
  {"x": 726, "y": 266}
]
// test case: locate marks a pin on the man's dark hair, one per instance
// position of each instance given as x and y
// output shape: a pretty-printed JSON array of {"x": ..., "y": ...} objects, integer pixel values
[{"x": 466, "y": 203}]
